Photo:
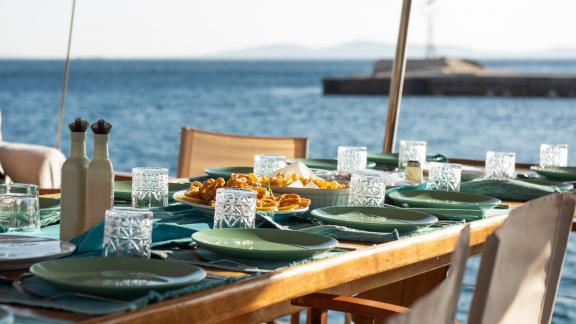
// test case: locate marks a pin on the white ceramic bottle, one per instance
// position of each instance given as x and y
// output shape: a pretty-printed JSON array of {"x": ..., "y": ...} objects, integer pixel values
[
  {"x": 73, "y": 189},
  {"x": 100, "y": 177}
]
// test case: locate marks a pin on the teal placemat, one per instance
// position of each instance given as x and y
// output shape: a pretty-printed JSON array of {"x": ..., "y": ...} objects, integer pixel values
[
  {"x": 76, "y": 304},
  {"x": 507, "y": 189}
]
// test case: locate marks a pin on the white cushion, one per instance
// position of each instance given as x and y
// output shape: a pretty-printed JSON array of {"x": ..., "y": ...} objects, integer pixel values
[{"x": 35, "y": 164}]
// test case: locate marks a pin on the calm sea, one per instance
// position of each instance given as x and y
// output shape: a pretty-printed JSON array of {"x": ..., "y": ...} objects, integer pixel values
[{"x": 148, "y": 101}]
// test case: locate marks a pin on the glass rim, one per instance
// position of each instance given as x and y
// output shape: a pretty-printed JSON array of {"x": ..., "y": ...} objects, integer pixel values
[
  {"x": 553, "y": 145},
  {"x": 129, "y": 212},
  {"x": 160, "y": 169},
  {"x": 359, "y": 148},
  {"x": 501, "y": 153},
  {"x": 368, "y": 175},
  {"x": 19, "y": 185},
  {"x": 242, "y": 191},
  {"x": 276, "y": 156},
  {"x": 413, "y": 142},
  {"x": 430, "y": 164}
]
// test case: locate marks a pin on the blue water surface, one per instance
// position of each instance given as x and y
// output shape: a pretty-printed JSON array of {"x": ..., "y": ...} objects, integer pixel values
[{"x": 149, "y": 101}]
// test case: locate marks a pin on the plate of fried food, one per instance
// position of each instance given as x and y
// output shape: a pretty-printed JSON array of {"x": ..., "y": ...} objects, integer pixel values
[
  {"x": 300, "y": 180},
  {"x": 202, "y": 196}
]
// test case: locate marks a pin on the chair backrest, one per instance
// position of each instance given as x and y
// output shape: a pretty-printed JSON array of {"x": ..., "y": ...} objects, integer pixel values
[
  {"x": 521, "y": 263},
  {"x": 440, "y": 305},
  {"x": 201, "y": 149}
]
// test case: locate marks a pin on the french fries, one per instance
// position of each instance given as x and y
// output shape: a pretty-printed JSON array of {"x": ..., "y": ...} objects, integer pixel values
[
  {"x": 282, "y": 180},
  {"x": 205, "y": 193}
]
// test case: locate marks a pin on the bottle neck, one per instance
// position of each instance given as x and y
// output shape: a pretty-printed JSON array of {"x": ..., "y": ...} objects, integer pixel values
[
  {"x": 100, "y": 146},
  {"x": 78, "y": 144}
]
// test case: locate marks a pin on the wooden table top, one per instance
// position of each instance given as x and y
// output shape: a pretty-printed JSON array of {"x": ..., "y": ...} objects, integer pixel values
[{"x": 267, "y": 296}]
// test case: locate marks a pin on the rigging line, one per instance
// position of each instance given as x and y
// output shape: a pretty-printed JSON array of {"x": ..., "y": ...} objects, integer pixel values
[{"x": 65, "y": 83}]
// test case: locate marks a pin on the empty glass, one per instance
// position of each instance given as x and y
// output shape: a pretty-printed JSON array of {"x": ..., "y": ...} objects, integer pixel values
[
  {"x": 128, "y": 232},
  {"x": 268, "y": 164},
  {"x": 411, "y": 151},
  {"x": 553, "y": 155},
  {"x": 500, "y": 164},
  {"x": 149, "y": 187},
  {"x": 19, "y": 209},
  {"x": 352, "y": 158},
  {"x": 444, "y": 176},
  {"x": 367, "y": 189},
  {"x": 235, "y": 208}
]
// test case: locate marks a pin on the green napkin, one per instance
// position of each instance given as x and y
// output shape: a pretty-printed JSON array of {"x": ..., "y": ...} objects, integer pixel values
[
  {"x": 467, "y": 215},
  {"x": 391, "y": 159},
  {"x": 507, "y": 189},
  {"x": 174, "y": 224}
]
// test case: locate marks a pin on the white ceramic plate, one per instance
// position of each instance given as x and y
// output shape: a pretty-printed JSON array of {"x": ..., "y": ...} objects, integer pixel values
[{"x": 19, "y": 251}]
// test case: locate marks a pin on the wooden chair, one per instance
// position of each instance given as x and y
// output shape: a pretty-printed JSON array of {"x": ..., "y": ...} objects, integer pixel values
[
  {"x": 439, "y": 306},
  {"x": 201, "y": 149},
  {"x": 521, "y": 263},
  {"x": 517, "y": 281}
]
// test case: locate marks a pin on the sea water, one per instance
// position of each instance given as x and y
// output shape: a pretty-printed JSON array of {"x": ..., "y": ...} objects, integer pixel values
[{"x": 148, "y": 101}]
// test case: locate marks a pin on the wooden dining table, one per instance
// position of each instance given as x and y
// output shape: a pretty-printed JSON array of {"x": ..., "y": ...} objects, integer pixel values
[{"x": 398, "y": 272}]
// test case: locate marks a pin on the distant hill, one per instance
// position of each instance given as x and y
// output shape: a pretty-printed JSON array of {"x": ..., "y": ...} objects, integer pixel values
[{"x": 376, "y": 50}]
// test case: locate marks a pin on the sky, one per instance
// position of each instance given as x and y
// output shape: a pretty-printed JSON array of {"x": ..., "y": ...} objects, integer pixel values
[{"x": 190, "y": 28}]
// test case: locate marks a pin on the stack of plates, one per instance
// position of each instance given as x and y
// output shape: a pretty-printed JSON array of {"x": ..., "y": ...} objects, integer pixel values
[
  {"x": 264, "y": 243},
  {"x": 557, "y": 173},
  {"x": 443, "y": 199},
  {"x": 117, "y": 277},
  {"x": 375, "y": 219}
]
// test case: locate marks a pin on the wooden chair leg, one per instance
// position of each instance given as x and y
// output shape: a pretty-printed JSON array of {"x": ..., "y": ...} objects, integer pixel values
[
  {"x": 347, "y": 318},
  {"x": 295, "y": 318},
  {"x": 317, "y": 316}
]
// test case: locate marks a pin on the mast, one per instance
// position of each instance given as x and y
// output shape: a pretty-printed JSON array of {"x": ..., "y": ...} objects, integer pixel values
[
  {"x": 430, "y": 47},
  {"x": 397, "y": 81},
  {"x": 65, "y": 83}
]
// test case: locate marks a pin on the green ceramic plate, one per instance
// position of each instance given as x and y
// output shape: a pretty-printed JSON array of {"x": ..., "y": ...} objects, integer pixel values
[
  {"x": 469, "y": 175},
  {"x": 376, "y": 219},
  {"x": 123, "y": 189},
  {"x": 443, "y": 199},
  {"x": 225, "y": 172},
  {"x": 392, "y": 158},
  {"x": 49, "y": 204},
  {"x": 558, "y": 173},
  {"x": 119, "y": 277},
  {"x": 209, "y": 210},
  {"x": 264, "y": 243},
  {"x": 561, "y": 185},
  {"x": 323, "y": 164}
]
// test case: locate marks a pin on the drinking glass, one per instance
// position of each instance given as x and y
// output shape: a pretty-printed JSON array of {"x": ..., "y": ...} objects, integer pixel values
[
  {"x": 235, "y": 208},
  {"x": 500, "y": 164},
  {"x": 367, "y": 190},
  {"x": 352, "y": 158},
  {"x": 411, "y": 151},
  {"x": 128, "y": 232},
  {"x": 268, "y": 164},
  {"x": 553, "y": 155},
  {"x": 444, "y": 176},
  {"x": 19, "y": 209},
  {"x": 149, "y": 187}
]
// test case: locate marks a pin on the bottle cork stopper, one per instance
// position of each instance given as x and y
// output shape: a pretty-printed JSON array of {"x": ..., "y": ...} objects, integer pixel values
[
  {"x": 78, "y": 126},
  {"x": 101, "y": 127}
]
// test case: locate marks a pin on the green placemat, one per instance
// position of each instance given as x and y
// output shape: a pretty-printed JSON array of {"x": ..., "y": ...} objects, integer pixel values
[{"x": 507, "y": 189}]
